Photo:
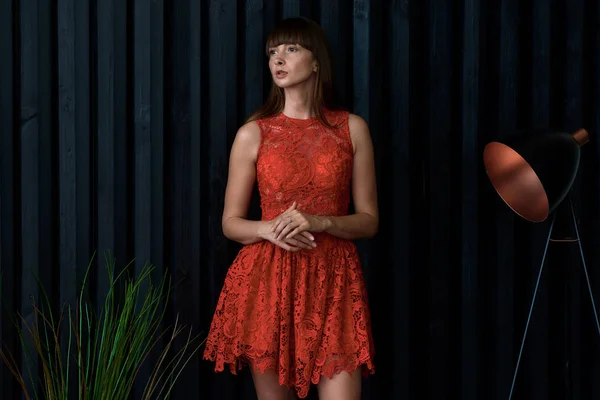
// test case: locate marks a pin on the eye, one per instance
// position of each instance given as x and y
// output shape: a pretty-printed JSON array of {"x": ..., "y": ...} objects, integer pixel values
[
  {"x": 272, "y": 51},
  {"x": 292, "y": 49}
]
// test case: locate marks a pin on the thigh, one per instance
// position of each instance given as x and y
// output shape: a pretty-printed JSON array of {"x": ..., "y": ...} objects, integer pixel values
[
  {"x": 342, "y": 386},
  {"x": 268, "y": 388}
]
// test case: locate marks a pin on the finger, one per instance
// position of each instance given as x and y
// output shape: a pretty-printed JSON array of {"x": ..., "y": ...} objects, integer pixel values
[
  {"x": 293, "y": 249},
  {"x": 278, "y": 221},
  {"x": 293, "y": 233},
  {"x": 299, "y": 243},
  {"x": 292, "y": 207},
  {"x": 302, "y": 239},
  {"x": 300, "y": 228},
  {"x": 289, "y": 211},
  {"x": 287, "y": 247},
  {"x": 288, "y": 228},
  {"x": 275, "y": 223},
  {"x": 308, "y": 235},
  {"x": 284, "y": 222},
  {"x": 281, "y": 217}
]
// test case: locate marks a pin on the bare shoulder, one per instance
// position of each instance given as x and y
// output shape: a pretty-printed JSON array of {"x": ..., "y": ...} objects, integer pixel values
[
  {"x": 356, "y": 122},
  {"x": 247, "y": 139},
  {"x": 249, "y": 133},
  {"x": 359, "y": 131}
]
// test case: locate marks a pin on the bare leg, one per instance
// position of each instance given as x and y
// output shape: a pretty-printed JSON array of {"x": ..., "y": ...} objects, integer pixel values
[
  {"x": 343, "y": 386},
  {"x": 268, "y": 388}
]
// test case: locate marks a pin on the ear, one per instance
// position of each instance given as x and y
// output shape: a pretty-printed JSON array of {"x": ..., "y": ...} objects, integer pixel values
[{"x": 315, "y": 66}]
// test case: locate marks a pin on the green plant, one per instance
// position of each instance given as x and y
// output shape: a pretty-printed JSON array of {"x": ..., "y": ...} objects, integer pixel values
[{"x": 106, "y": 349}]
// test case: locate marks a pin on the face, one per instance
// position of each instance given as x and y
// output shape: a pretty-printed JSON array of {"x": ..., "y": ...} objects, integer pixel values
[{"x": 291, "y": 64}]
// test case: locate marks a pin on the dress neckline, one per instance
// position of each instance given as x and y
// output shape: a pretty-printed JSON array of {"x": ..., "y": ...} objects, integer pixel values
[{"x": 298, "y": 121}]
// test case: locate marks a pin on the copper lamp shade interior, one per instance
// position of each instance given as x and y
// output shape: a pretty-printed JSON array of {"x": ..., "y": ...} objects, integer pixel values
[
  {"x": 516, "y": 182},
  {"x": 533, "y": 171}
]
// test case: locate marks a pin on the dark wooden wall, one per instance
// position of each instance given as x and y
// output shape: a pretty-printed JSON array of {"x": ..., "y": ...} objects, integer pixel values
[{"x": 116, "y": 123}]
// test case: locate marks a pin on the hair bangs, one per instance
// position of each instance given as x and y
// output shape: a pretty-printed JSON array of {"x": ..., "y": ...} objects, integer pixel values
[{"x": 292, "y": 31}]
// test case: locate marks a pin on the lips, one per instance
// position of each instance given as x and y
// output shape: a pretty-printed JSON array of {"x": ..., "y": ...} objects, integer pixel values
[{"x": 280, "y": 74}]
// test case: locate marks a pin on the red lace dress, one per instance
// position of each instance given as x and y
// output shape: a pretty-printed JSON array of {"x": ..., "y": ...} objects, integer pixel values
[{"x": 302, "y": 314}]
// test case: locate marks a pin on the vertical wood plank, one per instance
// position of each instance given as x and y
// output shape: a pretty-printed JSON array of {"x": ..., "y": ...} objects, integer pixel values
[
  {"x": 470, "y": 189},
  {"x": 49, "y": 230},
  {"x": 148, "y": 147},
  {"x": 255, "y": 59},
  {"x": 112, "y": 149},
  {"x": 146, "y": 126},
  {"x": 536, "y": 365},
  {"x": 48, "y": 145},
  {"x": 74, "y": 148},
  {"x": 595, "y": 101},
  {"x": 198, "y": 134},
  {"x": 8, "y": 256},
  {"x": 332, "y": 20},
  {"x": 177, "y": 73},
  {"x": 540, "y": 69},
  {"x": 106, "y": 146},
  {"x": 157, "y": 140},
  {"x": 295, "y": 8},
  {"x": 419, "y": 226},
  {"x": 82, "y": 134},
  {"x": 399, "y": 114},
  {"x": 370, "y": 251},
  {"x": 196, "y": 205},
  {"x": 361, "y": 44},
  {"x": 185, "y": 23},
  {"x": 504, "y": 354},
  {"x": 68, "y": 107},
  {"x": 590, "y": 212},
  {"x": 442, "y": 368},
  {"x": 30, "y": 167},
  {"x": 270, "y": 16},
  {"x": 576, "y": 294}
]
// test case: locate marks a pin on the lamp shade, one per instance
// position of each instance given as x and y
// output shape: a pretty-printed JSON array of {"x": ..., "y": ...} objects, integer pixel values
[{"x": 533, "y": 171}]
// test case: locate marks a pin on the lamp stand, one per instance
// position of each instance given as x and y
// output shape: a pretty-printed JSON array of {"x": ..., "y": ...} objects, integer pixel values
[{"x": 548, "y": 240}]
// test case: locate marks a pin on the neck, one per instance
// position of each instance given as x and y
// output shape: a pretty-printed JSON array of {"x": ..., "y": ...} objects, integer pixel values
[{"x": 298, "y": 102}]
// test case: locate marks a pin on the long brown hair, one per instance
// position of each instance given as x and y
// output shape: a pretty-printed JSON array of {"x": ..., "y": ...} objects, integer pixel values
[{"x": 311, "y": 36}]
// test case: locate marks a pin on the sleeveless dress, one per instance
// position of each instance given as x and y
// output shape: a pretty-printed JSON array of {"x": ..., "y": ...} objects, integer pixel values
[{"x": 303, "y": 314}]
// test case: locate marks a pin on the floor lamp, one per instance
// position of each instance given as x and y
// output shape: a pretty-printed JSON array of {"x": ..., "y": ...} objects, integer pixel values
[{"x": 533, "y": 171}]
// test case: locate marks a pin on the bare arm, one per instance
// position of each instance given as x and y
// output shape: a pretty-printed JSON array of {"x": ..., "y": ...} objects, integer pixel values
[
  {"x": 364, "y": 223},
  {"x": 240, "y": 182}
]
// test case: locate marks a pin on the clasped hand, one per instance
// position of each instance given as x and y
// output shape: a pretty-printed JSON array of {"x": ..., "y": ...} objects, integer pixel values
[{"x": 292, "y": 229}]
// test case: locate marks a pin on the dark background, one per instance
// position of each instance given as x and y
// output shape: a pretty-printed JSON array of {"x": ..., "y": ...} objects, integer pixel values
[{"x": 116, "y": 123}]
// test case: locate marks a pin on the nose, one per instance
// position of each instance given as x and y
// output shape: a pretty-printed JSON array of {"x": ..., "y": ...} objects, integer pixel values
[{"x": 278, "y": 61}]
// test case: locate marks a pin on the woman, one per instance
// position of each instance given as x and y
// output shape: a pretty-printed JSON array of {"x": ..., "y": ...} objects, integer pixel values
[{"x": 294, "y": 305}]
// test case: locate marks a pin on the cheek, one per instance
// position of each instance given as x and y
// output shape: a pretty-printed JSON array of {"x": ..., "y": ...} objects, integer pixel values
[
  {"x": 303, "y": 66},
  {"x": 310, "y": 64}
]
